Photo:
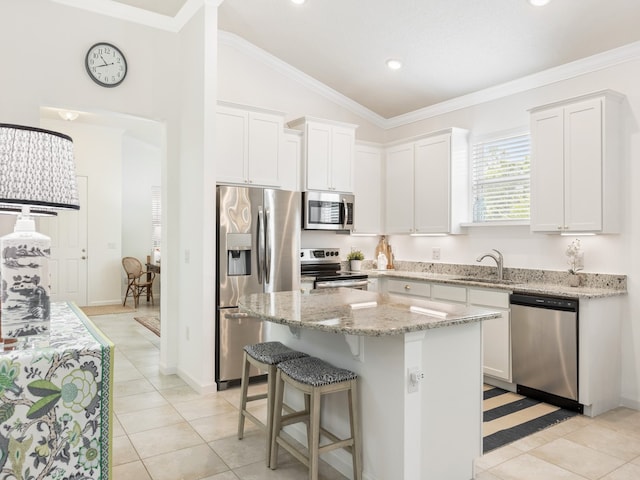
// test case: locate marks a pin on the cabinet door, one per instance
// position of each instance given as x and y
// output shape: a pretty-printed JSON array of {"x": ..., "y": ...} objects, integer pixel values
[
  {"x": 318, "y": 150},
  {"x": 264, "y": 148},
  {"x": 399, "y": 191},
  {"x": 432, "y": 185},
  {"x": 547, "y": 170},
  {"x": 496, "y": 345},
  {"x": 342, "y": 152},
  {"x": 583, "y": 166},
  {"x": 367, "y": 188},
  {"x": 231, "y": 145},
  {"x": 289, "y": 169}
]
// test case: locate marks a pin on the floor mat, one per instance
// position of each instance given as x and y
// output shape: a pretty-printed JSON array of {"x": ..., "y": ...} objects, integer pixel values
[
  {"x": 92, "y": 311},
  {"x": 152, "y": 323},
  {"x": 509, "y": 417}
]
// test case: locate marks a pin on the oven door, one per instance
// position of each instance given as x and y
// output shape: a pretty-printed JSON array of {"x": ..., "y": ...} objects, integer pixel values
[{"x": 357, "y": 284}]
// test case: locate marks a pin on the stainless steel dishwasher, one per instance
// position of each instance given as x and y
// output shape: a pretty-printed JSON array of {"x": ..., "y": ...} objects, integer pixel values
[{"x": 544, "y": 348}]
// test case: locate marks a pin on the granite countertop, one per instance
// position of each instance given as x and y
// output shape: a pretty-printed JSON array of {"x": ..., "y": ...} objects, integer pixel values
[
  {"x": 357, "y": 312},
  {"x": 595, "y": 285}
]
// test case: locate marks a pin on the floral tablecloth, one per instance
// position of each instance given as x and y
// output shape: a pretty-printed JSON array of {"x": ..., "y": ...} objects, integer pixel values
[{"x": 55, "y": 403}]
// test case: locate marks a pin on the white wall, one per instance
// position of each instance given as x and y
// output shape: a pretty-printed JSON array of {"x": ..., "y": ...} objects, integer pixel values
[
  {"x": 45, "y": 67},
  {"x": 243, "y": 80}
]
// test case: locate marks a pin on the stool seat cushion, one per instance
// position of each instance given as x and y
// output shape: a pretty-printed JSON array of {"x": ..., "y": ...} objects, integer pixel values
[
  {"x": 315, "y": 372},
  {"x": 272, "y": 353}
]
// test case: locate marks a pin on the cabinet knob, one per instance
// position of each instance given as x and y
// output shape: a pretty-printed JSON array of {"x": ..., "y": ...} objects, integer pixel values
[{"x": 407, "y": 287}]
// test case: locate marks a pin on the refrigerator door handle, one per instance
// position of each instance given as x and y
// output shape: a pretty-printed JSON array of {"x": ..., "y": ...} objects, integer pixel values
[
  {"x": 261, "y": 246},
  {"x": 267, "y": 242}
]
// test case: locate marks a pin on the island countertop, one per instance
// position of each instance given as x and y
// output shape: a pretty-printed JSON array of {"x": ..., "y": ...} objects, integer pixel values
[{"x": 357, "y": 312}]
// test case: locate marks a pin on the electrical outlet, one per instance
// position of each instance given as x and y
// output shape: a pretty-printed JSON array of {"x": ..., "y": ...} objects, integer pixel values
[
  {"x": 414, "y": 376},
  {"x": 435, "y": 253}
]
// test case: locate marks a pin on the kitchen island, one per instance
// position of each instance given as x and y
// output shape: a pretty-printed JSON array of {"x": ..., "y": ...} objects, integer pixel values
[{"x": 420, "y": 370}]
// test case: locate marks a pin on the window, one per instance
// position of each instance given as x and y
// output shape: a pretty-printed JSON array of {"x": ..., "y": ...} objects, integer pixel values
[{"x": 500, "y": 179}]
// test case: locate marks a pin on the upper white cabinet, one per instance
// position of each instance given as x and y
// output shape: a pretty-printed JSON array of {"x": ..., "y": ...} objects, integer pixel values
[
  {"x": 248, "y": 144},
  {"x": 290, "y": 155},
  {"x": 367, "y": 185},
  {"x": 575, "y": 165},
  {"x": 328, "y": 152},
  {"x": 426, "y": 189}
]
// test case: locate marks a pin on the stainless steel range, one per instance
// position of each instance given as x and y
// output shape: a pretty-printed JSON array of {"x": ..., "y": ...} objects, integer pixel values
[{"x": 324, "y": 265}]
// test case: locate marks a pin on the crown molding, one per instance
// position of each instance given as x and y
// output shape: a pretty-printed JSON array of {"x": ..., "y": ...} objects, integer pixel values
[
  {"x": 583, "y": 66},
  {"x": 139, "y": 15}
]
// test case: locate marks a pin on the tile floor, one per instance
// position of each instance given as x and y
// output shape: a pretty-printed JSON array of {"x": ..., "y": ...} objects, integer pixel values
[{"x": 163, "y": 430}]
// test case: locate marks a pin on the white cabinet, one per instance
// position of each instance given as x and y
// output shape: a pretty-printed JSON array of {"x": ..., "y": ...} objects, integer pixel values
[
  {"x": 367, "y": 185},
  {"x": 248, "y": 146},
  {"x": 426, "y": 184},
  {"x": 289, "y": 167},
  {"x": 575, "y": 165},
  {"x": 496, "y": 333},
  {"x": 328, "y": 153}
]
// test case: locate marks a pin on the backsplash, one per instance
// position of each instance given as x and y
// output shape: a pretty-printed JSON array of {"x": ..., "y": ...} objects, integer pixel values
[{"x": 516, "y": 275}]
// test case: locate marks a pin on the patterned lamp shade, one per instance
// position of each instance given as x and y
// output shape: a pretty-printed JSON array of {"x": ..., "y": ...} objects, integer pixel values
[
  {"x": 37, "y": 168},
  {"x": 37, "y": 173}
]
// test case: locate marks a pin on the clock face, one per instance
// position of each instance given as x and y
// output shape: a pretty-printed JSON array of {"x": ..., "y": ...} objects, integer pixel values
[{"x": 106, "y": 65}]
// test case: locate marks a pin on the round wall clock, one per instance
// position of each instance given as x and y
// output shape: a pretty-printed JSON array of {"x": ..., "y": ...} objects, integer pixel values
[{"x": 106, "y": 64}]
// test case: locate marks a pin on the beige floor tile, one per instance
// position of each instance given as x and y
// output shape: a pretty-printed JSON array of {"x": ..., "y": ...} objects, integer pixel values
[
  {"x": 123, "y": 451},
  {"x": 497, "y": 457},
  {"x": 486, "y": 476},
  {"x": 622, "y": 420},
  {"x": 577, "y": 458},
  {"x": 223, "y": 476},
  {"x": 132, "y": 387},
  {"x": 288, "y": 470},
  {"x": 205, "y": 407},
  {"x": 149, "y": 419},
  {"x": 162, "y": 382},
  {"x": 131, "y": 471},
  {"x": 182, "y": 393},
  {"x": 615, "y": 443},
  {"x": 165, "y": 439},
  {"x": 528, "y": 467},
  {"x": 629, "y": 471},
  {"x": 127, "y": 373},
  {"x": 187, "y": 464},
  {"x": 219, "y": 426},
  {"x": 238, "y": 453},
  {"x": 118, "y": 431},
  {"x": 140, "y": 401}
]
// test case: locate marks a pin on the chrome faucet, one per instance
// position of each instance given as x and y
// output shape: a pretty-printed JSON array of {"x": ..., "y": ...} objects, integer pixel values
[{"x": 498, "y": 260}]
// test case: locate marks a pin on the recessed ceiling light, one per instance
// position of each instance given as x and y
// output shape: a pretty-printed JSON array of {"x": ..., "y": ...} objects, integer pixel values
[
  {"x": 394, "y": 64},
  {"x": 538, "y": 3},
  {"x": 298, "y": 2}
]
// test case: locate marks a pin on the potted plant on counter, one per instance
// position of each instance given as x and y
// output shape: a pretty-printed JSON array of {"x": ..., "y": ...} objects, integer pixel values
[
  {"x": 575, "y": 261},
  {"x": 355, "y": 258}
]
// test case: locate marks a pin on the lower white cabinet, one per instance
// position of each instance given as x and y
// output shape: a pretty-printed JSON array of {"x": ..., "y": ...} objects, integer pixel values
[{"x": 496, "y": 333}]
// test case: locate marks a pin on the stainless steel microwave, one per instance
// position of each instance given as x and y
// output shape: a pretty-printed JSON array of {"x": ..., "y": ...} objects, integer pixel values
[{"x": 327, "y": 211}]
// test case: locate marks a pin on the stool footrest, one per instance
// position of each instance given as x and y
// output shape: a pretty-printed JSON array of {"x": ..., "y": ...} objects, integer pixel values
[{"x": 260, "y": 396}]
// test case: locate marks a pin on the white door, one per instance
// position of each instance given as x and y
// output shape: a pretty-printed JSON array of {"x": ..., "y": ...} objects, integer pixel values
[{"x": 68, "y": 264}]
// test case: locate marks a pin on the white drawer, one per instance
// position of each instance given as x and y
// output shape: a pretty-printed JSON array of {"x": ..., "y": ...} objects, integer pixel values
[
  {"x": 449, "y": 292},
  {"x": 488, "y": 298},
  {"x": 409, "y": 287}
]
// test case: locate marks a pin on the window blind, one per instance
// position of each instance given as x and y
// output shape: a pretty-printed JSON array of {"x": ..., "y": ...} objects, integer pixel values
[
  {"x": 156, "y": 217},
  {"x": 500, "y": 179}
]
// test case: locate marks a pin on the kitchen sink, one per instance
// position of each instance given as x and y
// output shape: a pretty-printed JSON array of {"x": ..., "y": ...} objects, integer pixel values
[{"x": 485, "y": 280}]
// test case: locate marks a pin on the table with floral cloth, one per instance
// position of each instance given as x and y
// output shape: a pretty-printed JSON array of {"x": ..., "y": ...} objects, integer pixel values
[{"x": 56, "y": 403}]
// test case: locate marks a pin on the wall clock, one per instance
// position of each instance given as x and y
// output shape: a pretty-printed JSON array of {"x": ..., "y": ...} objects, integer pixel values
[{"x": 106, "y": 65}]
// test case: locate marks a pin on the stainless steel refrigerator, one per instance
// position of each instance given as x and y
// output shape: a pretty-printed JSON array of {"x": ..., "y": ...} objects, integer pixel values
[{"x": 258, "y": 243}]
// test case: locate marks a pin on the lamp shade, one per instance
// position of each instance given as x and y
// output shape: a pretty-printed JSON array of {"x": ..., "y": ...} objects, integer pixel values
[{"x": 37, "y": 169}]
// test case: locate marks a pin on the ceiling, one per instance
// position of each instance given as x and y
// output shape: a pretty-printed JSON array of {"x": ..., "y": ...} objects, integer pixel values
[{"x": 449, "y": 48}]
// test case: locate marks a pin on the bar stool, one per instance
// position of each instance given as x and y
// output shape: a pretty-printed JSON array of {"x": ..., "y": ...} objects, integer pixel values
[
  {"x": 314, "y": 378},
  {"x": 264, "y": 356}
]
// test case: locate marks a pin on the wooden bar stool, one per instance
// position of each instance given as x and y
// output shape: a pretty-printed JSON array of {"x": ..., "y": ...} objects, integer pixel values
[
  {"x": 314, "y": 378},
  {"x": 264, "y": 356}
]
